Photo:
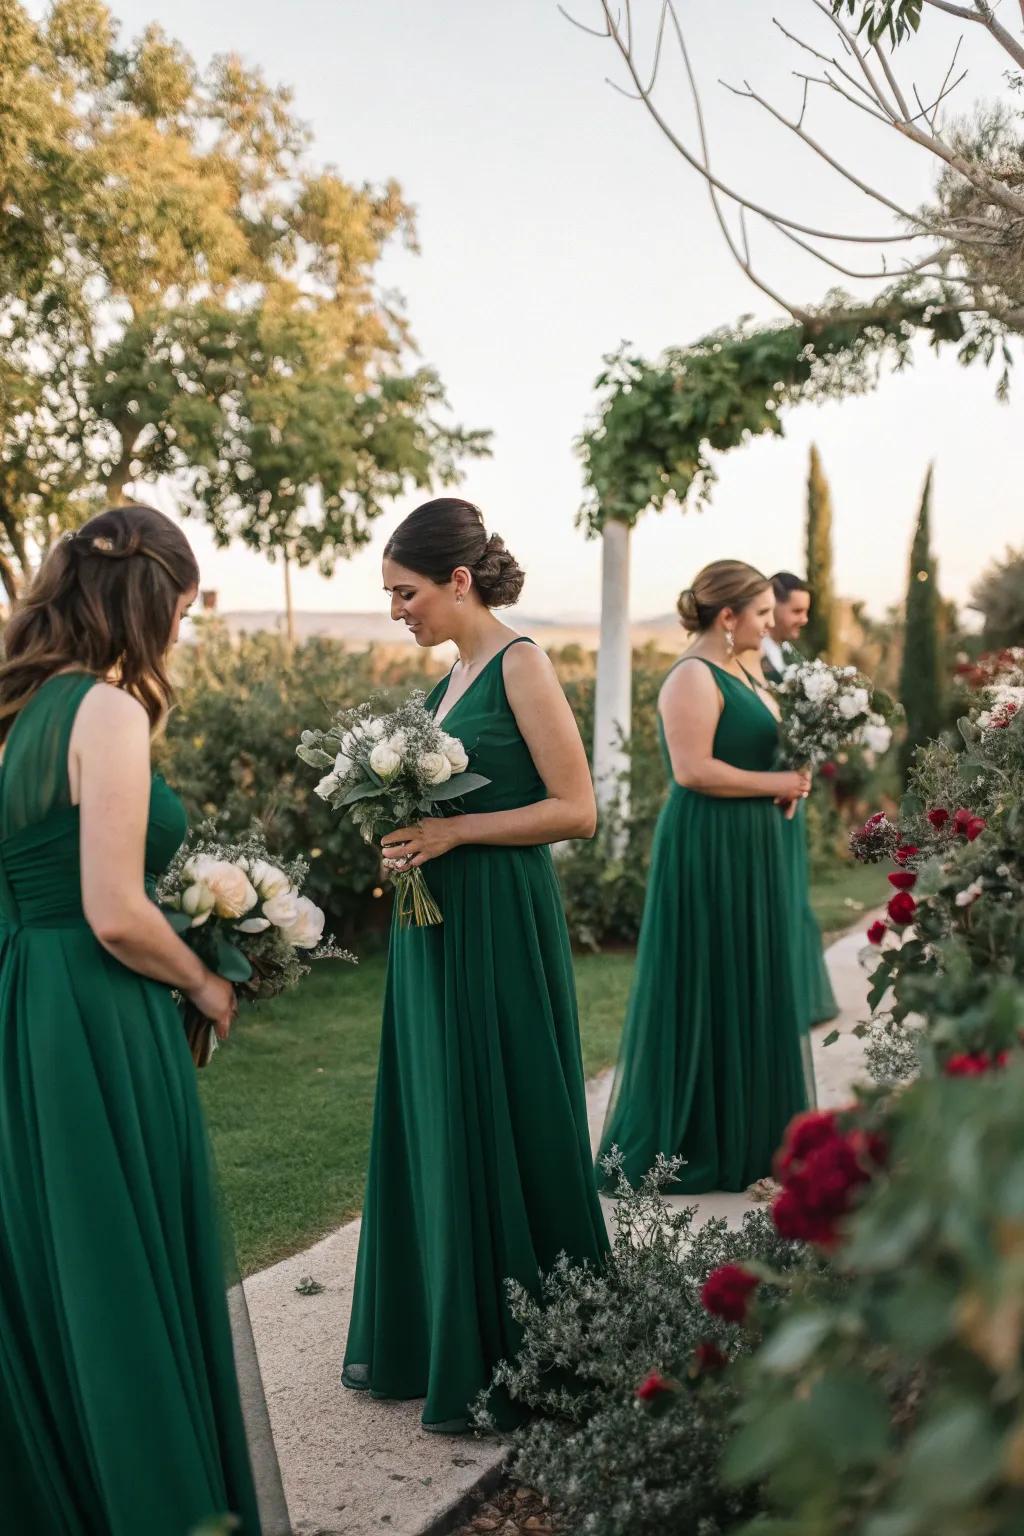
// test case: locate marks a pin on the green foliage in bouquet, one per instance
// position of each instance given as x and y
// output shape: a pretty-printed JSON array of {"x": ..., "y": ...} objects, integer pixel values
[
  {"x": 631, "y": 1379},
  {"x": 229, "y": 749},
  {"x": 895, "y": 1406}
]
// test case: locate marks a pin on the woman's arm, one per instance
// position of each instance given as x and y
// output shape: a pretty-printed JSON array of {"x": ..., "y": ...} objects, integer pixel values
[
  {"x": 549, "y": 729},
  {"x": 690, "y": 706},
  {"x": 110, "y": 772}
]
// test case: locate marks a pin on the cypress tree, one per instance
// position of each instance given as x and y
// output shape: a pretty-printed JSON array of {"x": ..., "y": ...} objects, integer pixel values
[
  {"x": 921, "y": 670},
  {"x": 819, "y": 638}
]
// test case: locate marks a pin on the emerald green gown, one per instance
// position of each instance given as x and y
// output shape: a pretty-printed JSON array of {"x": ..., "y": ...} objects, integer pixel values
[
  {"x": 816, "y": 999},
  {"x": 480, "y": 1166},
  {"x": 711, "y": 1064},
  {"x": 119, "y": 1403}
]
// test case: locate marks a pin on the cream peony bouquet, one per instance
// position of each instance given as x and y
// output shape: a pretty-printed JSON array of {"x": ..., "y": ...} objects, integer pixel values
[
  {"x": 245, "y": 917},
  {"x": 389, "y": 771},
  {"x": 825, "y": 709}
]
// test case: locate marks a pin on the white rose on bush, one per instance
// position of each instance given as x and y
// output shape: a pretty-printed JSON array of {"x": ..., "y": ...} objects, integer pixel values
[
  {"x": 456, "y": 754},
  {"x": 307, "y": 929},
  {"x": 434, "y": 768},
  {"x": 385, "y": 761}
]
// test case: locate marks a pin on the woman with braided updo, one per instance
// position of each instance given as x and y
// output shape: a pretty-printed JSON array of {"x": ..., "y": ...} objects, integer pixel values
[
  {"x": 711, "y": 1066},
  {"x": 480, "y": 1166},
  {"x": 119, "y": 1400}
]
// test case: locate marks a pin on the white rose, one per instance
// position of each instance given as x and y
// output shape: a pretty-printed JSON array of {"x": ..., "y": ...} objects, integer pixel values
[
  {"x": 253, "y": 925},
  {"x": 307, "y": 929},
  {"x": 232, "y": 890},
  {"x": 969, "y": 894},
  {"x": 327, "y": 786},
  {"x": 853, "y": 703},
  {"x": 819, "y": 686},
  {"x": 876, "y": 737},
  {"x": 434, "y": 768},
  {"x": 374, "y": 729},
  {"x": 456, "y": 754},
  {"x": 268, "y": 879},
  {"x": 399, "y": 741},
  {"x": 282, "y": 910},
  {"x": 385, "y": 761},
  {"x": 197, "y": 902}
]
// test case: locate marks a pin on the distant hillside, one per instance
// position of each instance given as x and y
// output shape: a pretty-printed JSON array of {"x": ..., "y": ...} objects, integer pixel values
[{"x": 363, "y": 629}]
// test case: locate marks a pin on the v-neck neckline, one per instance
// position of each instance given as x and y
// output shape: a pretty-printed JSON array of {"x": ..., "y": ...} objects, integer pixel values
[{"x": 469, "y": 686}]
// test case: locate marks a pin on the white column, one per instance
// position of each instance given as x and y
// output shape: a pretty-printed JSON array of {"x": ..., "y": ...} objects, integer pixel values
[{"x": 614, "y": 667}]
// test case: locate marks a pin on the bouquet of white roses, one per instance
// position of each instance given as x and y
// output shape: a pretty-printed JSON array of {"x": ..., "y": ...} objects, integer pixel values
[
  {"x": 389, "y": 771},
  {"x": 245, "y": 917},
  {"x": 825, "y": 709}
]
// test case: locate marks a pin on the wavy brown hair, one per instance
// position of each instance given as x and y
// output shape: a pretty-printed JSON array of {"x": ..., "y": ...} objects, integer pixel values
[{"x": 103, "y": 601}]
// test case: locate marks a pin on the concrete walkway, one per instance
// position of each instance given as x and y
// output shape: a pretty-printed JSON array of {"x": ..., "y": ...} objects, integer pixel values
[{"x": 353, "y": 1466}]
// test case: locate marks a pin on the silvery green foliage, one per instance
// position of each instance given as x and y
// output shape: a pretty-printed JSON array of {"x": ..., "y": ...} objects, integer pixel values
[{"x": 611, "y": 1465}]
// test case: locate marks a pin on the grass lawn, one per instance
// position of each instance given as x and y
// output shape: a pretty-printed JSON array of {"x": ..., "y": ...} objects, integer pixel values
[{"x": 290, "y": 1099}]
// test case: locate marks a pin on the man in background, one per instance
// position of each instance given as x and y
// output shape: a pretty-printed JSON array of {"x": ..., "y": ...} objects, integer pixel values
[{"x": 792, "y": 611}]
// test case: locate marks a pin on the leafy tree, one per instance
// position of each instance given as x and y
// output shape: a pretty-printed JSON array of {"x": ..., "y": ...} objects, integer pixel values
[
  {"x": 999, "y": 598},
  {"x": 185, "y": 294},
  {"x": 921, "y": 670},
  {"x": 819, "y": 637}
]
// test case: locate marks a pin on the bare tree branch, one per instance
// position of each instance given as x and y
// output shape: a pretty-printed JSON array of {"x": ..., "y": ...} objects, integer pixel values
[
  {"x": 591, "y": 31},
  {"x": 985, "y": 17}
]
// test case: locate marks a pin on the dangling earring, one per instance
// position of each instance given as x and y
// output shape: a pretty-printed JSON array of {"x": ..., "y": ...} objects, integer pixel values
[
  {"x": 459, "y": 597},
  {"x": 730, "y": 641}
]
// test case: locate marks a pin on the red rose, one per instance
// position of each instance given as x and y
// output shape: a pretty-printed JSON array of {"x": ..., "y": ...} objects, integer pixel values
[
  {"x": 803, "y": 1134},
  {"x": 790, "y": 1218},
  {"x": 903, "y": 879},
  {"x": 975, "y": 827},
  {"x": 877, "y": 932},
  {"x": 901, "y": 908},
  {"x": 906, "y": 853},
  {"x": 727, "y": 1291},
  {"x": 652, "y": 1386},
  {"x": 966, "y": 1064},
  {"x": 960, "y": 820},
  {"x": 938, "y": 817},
  {"x": 708, "y": 1357},
  {"x": 875, "y": 820},
  {"x": 828, "y": 770}
]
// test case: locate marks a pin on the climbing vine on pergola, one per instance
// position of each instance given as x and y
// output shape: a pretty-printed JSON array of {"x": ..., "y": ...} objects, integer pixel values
[{"x": 659, "y": 422}]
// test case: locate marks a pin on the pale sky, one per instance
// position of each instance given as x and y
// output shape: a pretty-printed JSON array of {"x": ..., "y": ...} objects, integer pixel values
[{"x": 555, "y": 221}]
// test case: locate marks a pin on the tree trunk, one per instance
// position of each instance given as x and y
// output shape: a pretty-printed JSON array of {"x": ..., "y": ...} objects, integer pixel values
[
  {"x": 289, "y": 610},
  {"x": 614, "y": 671}
]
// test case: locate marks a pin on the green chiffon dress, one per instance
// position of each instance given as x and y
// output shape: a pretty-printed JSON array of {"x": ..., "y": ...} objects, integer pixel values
[
  {"x": 119, "y": 1403},
  {"x": 816, "y": 1000},
  {"x": 712, "y": 1065},
  {"x": 815, "y": 997},
  {"x": 480, "y": 1166}
]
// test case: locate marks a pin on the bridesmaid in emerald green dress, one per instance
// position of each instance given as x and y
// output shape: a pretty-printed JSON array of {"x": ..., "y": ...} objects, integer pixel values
[
  {"x": 480, "y": 1167},
  {"x": 119, "y": 1403},
  {"x": 710, "y": 1065}
]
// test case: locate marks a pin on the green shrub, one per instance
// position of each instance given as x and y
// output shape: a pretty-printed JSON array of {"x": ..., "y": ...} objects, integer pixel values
[
  {"x": 229, "y": 749},
  {"x": 612, "y": 1464}
]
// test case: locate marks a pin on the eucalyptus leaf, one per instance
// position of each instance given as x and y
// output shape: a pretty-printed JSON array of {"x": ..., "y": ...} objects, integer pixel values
[
  {"x": 231, "y": 963},
  {"x": 315, "y": 757},
  {"x": 460, "y": 784}
]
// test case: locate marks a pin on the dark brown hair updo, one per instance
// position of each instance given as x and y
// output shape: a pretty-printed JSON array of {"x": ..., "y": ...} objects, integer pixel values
[
  {"x": 722, "y": 584},
  {"x": 103, "y": 601},
  {"x": 441, "y": 535}
]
